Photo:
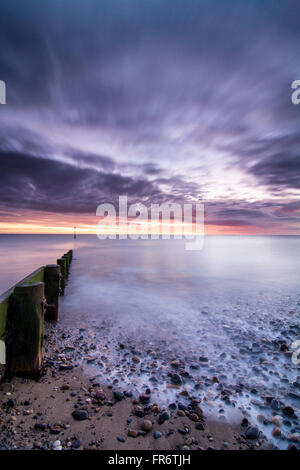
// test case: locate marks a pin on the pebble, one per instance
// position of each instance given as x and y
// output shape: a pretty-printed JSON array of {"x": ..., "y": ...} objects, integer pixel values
[
  {"x": 11, "y": 403},
  {"x": 252, "y": 432},
  {"x": 118, "y": 395},
  {"x": 56, "y": 445},
  {"x": 157, "y": 435},
  {"x": 66, "y": 367},
  {"x": 76, "y": 444},
  {"x": 175, "y": 364},
  {"x": 200, "y": 426},
  {"x": 80, "y": 415},
  {"x": 172, "y": 406},
  {"x": 65, "y": 387},
  {"x": 194, "y": 417},
  {"x": 155, "y": 409},
  {"x": 144, "y": 397},
  {"x": 139, "y": 411},
  {"x": 182, "y": 407},
  {"x": 288, "y": 411},
  {"x": 163, "y": 417},
  {"x": 294, "y": 437},
  {"x": 261, "y": 418},
  {"x": 146, "y": 425},
  {"x": 276, "y": 432},
  {"x": 276, "y": 420},
  {"x": 203, "y": 359},
  {"x": 121, "y": 439},
  {"x": 292, "y": 446},
  {"x": 182, "y": 431},
  {"x": 275, "y": 404},
  {"x": 40, "y": 426},
  {"x": 199, "y": 411}
]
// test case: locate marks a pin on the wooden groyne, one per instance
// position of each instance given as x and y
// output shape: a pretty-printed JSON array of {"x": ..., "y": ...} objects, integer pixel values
[{"x": 23, "y": 310}]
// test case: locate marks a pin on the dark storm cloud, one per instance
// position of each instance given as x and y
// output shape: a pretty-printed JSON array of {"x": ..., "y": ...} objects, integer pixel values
[
  {"x": 280, "y": 170},
  {"x": 275, "y": 160},
  {"x": 40, "y": 184},
  {"x": 166, "y": 82}
]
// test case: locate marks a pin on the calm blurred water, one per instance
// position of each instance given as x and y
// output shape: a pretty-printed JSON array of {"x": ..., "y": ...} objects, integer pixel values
[
  {"x": 22, "y": 254},
  {"x": 155, "y": 288},
  {"x": 245, "y": 279},
  {"x": 162, "y": 266}
]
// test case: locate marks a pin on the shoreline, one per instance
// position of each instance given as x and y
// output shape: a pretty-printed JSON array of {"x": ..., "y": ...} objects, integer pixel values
[{"x": 40, "y": 415}]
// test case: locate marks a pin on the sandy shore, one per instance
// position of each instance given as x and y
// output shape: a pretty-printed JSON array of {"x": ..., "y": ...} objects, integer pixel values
[{"x": 68, "y": 409}]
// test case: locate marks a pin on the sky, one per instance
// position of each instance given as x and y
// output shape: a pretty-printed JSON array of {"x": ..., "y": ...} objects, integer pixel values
[{"x": 180, "y": 101}]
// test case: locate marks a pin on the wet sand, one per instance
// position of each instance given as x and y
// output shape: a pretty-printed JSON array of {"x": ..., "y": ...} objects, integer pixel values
[{"x": 44, "y": 414}]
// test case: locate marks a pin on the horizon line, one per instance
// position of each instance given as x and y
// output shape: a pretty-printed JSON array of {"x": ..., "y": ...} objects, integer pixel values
[{"x": 160, "y": 235}]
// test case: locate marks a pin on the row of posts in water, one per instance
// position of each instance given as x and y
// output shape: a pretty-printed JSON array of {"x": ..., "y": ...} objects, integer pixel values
[{"x": 32, "y": 302}]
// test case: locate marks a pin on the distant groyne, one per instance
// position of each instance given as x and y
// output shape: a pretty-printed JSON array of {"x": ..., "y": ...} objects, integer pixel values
[{"x": 23, "y": 310}]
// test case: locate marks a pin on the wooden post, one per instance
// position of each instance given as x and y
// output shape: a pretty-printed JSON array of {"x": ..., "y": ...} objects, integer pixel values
[
  {"x": 63, "y": 268},
  {"x": 66, "y": 257},
  {"x": 25, "y": 330},
  {"x": 69, "y": 256},
  {"x": 52, "y": 285}
]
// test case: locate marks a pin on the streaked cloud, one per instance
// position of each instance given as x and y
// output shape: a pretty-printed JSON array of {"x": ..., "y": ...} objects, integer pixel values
[{"x": 161, "y": 101}]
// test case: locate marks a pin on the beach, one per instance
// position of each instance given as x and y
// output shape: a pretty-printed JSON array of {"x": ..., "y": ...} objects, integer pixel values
[
  {"x": 158, "y": 349},
  {"x": 40, "y": 415}
]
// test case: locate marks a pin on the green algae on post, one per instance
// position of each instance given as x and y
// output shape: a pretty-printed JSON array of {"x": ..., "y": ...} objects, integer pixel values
[{"x": 25, "y": 329}]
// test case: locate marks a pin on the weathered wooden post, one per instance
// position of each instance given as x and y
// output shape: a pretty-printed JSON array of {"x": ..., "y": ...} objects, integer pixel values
[
  {"x": 63, "y": 268},
  {"x": 52, "y": 285},
  {"x": 25, "y": 330},
  {"x": 66, "y": 257},
  {"x": 69, "y": 258}
]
